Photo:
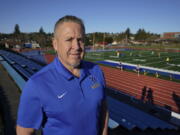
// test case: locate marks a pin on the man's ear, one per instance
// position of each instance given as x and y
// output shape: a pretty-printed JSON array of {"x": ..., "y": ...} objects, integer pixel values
[{"x": 54, "y": 42}]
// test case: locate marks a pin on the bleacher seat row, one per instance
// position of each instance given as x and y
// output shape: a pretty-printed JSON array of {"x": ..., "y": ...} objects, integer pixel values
[{"x": 21, "y": 63}]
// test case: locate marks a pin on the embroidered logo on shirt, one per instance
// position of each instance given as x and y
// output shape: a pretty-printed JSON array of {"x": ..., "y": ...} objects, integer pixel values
[
  {"x": 95, "y": 84},
  {"x": 62, "y": 95}
]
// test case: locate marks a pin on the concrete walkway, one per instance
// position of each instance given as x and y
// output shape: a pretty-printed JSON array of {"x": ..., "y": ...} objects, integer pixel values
[{"x": 9, "y": 100}]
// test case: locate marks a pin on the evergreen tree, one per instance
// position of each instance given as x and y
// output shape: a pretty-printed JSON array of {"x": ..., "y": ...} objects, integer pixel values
[
  {"x": 141, "y": 35},
  {"x": 87, "y": 41},
  {"x": 41, "y": 30},
  {"x": 108, "y": 39},
  {"x": 17, "y": 29},
  {"x": 128, "y": 33}
]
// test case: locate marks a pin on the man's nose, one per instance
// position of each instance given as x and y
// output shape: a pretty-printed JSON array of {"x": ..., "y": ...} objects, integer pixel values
[{"x": 76, "y": 44}]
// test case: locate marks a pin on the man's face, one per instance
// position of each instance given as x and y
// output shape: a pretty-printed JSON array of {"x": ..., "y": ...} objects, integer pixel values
[{"x": 69, "y": 44}]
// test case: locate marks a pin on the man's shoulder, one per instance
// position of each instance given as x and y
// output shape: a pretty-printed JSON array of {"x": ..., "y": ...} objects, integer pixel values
[
  {"x": 90, "y": 66},
  {"x": 93, "y": 69},
  {"x": 37, "y": 81},
  {"x": 44, "y": 72}
]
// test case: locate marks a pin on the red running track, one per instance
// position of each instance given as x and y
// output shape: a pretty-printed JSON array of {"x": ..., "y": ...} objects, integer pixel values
[{"x": 132, "y": 84}]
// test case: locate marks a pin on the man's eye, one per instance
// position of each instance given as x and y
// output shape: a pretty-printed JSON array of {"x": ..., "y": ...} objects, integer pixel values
[
  {"x": 80, "y": 40},
  {"x": 69, "y": 39}
]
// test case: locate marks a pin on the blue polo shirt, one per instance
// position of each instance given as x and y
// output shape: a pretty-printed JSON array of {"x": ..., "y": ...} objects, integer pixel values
[{"x": 60, "y": 103}]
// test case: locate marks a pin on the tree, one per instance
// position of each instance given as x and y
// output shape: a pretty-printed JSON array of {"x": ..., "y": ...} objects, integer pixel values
[
  {"x": 41, "y": 30},
  {"x": 141, "y": 35},
  {"x": 87, "y": 41},
  {"x": 128, "y": 33},
  {"x": 17, "y": 29},
  {"x": 119, "y": 37},
  {"x": 108, "y": 39}
]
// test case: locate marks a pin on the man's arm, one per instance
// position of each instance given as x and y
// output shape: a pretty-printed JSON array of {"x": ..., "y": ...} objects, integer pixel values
[
  {"x": 24, "y": 131},
  {"x": 105, "y": 117}
]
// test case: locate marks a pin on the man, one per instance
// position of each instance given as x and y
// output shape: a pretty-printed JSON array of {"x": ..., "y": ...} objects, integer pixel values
[
  {"x": 120, "y": 65},
  {"x": 137, "y": 69},
  {"x": 66, "y": 97}
]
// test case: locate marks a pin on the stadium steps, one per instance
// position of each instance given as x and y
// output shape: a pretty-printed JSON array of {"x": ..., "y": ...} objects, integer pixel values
[
  {"x": 9, "y": 99},
  {"x": 131, "y": 117}
]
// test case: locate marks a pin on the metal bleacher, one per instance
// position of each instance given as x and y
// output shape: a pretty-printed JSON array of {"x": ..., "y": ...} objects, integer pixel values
[
  {"x": 35, "y": 55},
  {"x": 130, "y": 117},
  {"x": 21, "y": 64}
]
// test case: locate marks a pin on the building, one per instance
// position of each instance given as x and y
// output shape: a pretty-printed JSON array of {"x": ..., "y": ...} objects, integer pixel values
[
  {"x": 171, "y": 35},
  {"x": 32, "y": 45}
]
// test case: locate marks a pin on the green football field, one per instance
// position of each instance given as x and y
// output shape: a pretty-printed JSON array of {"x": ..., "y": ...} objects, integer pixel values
[{"x": 162, "y": 60}]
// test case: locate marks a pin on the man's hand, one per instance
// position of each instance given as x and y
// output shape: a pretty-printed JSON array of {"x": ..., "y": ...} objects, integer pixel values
[
  {"x": 24, "y": 131},
  {"x": 105, "y": 118}
]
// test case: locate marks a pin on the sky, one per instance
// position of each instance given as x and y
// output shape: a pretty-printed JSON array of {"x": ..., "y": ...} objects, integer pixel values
[{"x": 155, "y": 16}]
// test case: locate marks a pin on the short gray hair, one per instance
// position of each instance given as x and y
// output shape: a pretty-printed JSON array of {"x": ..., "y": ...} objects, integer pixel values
[{"x": 69, "y": 18}]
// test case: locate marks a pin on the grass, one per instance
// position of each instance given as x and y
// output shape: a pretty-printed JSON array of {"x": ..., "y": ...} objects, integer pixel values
[{"x": 144, "y": 58}]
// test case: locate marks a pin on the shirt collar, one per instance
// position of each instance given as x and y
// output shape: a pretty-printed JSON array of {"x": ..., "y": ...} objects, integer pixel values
[
  {"x": 84, "y": 71},
  {"x": 66, "y": 73}
]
